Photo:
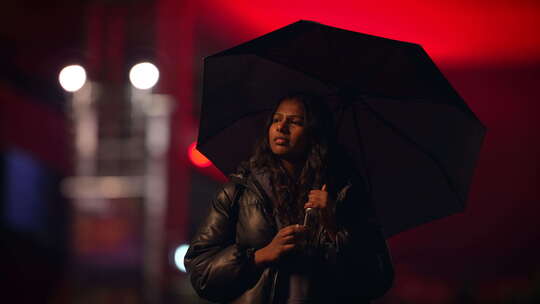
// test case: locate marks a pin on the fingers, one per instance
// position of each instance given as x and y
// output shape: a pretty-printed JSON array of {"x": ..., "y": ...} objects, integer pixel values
[
  {"x": 287, "y": 247},
  {"x": 291, "y": 230},
  {"x": 289, "y": 239},
  {"x": 317, "y": 193},
  {"x": 323, "y": 189},
  {"x": 317, "y": 198},
  {"x": 290, "y": 235},
  {"x": 310, "y": 205}
]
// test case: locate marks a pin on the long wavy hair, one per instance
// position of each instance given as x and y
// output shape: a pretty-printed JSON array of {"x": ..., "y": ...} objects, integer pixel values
[{"x": 291, "y": 195}]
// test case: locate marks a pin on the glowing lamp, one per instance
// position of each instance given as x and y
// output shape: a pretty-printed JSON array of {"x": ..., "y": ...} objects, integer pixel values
[
  {"x": 144, "y": 75},
  {"x": 179, "y": 254},
  {"x": 72, "y": 78},
  {"x": 197, "y": 158}
]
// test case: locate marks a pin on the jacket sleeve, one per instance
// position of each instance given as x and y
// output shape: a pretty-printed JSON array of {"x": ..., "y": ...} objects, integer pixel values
[
  {"x": 219, "y": 269},
  {"x": 358, "y": 255}
]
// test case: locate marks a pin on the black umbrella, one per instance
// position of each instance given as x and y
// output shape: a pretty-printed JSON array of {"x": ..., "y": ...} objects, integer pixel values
[{"x": 406, "y": 128}]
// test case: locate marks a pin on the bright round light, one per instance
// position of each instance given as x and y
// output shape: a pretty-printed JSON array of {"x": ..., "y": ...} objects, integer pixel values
[
  {"x": 179, "y": 255},
  {"x": 197, "y": 158},
  {"x": 144, "y": 75},
  {"x": 72, "y": 78}
]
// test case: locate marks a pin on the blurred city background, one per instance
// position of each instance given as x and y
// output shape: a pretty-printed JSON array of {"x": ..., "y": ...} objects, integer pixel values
[{"x": 101, "y": 188}]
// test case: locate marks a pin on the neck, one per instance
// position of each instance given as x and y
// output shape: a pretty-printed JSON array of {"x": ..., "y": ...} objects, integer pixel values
[{"x": 292, "y": 167}]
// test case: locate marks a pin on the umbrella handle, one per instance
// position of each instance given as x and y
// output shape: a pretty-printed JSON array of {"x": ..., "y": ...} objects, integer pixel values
[{"x": 309, "y": 217}]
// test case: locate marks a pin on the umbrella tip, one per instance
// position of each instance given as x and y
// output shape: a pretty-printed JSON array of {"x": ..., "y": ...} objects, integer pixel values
[{"x": 307, "y": 21}]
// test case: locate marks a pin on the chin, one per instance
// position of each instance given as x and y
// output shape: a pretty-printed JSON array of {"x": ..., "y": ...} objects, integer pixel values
[{"x": 279, "y": 152}]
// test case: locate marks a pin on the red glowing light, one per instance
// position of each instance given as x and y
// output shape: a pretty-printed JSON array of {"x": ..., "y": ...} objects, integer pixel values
[
  {"x": 197, "y": 158},
  {"x": 453, "y": 32}
]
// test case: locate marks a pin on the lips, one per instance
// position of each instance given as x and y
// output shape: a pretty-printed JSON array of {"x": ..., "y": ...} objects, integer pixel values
[{"x": 282, "y": 141}]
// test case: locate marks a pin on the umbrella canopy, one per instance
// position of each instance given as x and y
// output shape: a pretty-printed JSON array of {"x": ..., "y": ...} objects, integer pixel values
[{"x": 407, "y": 129}]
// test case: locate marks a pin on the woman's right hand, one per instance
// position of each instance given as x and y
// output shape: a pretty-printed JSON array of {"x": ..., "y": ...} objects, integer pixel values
[{"x": 285, "y": 240}]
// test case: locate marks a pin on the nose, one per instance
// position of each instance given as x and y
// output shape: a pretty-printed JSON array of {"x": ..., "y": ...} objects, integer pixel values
[{"x": 282, "y": 127}]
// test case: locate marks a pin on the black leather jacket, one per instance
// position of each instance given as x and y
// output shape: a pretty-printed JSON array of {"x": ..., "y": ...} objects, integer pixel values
[{"x": 354, "y": 268}]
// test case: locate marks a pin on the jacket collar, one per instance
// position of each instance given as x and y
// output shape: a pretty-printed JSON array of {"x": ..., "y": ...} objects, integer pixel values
[{"x": 258, "y": 183}]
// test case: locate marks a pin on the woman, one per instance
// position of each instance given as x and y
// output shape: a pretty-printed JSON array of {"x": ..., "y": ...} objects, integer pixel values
[{"x": 252, "y": 249}]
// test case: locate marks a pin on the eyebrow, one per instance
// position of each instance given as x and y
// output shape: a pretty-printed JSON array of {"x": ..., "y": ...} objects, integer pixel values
[{"x": 293, "y": 116}]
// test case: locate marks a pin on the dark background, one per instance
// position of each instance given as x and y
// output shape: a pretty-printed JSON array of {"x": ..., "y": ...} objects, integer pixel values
[{"x": 489, "y": 50}]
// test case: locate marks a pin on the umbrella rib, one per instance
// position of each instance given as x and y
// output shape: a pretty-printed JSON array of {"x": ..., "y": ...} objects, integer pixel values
[
  {"x": 331, "y": 84},
  {"x": 414, "y": 143}
]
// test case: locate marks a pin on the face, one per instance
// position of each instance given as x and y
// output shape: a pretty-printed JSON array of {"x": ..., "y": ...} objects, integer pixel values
[{"x": 287, "y": 136}]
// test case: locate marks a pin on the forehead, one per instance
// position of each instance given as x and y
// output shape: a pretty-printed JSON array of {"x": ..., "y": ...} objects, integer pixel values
[{"x": 290, "y": 107}]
